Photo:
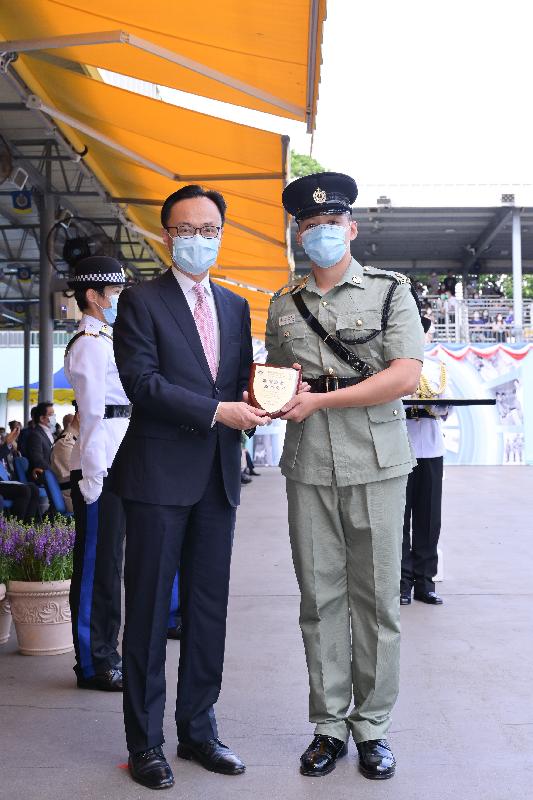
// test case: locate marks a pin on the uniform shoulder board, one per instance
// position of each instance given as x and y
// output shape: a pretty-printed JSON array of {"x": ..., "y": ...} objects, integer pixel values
[
  {"x": 399, "y": 277},
  {"x": 290, "y": 288}
]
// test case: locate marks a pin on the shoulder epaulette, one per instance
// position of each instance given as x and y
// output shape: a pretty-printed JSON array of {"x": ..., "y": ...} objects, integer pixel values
[
  {"x": 399, "y": 277},
  {"x": 290, "y": 288},
  {"x": 104, "y": 331}
]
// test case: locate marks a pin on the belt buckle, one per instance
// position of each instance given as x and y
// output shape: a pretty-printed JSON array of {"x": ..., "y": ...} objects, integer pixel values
[{"x": 332, "y": 383}]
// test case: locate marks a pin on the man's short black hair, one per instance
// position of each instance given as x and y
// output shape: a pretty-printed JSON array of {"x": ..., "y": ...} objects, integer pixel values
[
  {"x": 39, "y": 410},
  {"x": 185, "y": 193},
  {"x": 80, "y": 295}
]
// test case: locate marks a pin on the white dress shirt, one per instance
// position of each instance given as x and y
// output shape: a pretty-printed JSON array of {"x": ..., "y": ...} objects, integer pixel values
[
  {"x": 187, "y": 284},
  {"x": 92, "y": 372},
  {"x": 425, "y": 434}
]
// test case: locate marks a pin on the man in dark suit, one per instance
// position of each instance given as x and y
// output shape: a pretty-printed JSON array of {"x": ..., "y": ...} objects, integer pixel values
[
  {"x": 183, "y": 350},
  {"x": 40, "y": 439}
]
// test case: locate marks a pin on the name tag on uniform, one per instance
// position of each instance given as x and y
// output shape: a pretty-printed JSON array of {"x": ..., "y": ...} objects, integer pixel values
[{"x": 288, "y": 319}]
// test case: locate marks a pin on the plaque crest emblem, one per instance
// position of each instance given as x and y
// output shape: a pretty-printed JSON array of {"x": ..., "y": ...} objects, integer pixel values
[{"x": 319, "y": 196}]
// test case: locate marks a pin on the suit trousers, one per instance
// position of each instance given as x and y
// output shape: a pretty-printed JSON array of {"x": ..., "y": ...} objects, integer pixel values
[
  {"x": 199, "y": 538},
  {"x": 96, "y": 580},
  {"x": 346, "y": 549},
  {"x": 423, "y": 518}
]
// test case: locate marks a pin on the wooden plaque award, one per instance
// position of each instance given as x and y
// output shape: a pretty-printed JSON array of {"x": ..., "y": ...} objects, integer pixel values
[{"x": 270, "y": 387}]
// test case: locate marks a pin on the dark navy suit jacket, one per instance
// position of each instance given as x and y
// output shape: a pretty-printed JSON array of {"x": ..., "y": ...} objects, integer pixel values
[{"x": 168, "y": 452}]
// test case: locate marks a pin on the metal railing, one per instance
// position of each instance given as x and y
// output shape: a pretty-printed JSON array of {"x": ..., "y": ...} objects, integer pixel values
[
  {"x": 474, "y": 320},
  {"x": 16, "y": 338}
]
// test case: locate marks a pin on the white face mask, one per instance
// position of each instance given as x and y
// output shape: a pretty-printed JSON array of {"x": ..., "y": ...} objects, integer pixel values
[{"x": 52, "y": 421}]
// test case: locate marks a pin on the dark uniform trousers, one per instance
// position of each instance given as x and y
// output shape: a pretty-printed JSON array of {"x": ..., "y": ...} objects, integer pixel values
[
  {"x": 96, "y": 579},
  {"x": 199, "y": 538},
  {"x": 421, "y": 529}
]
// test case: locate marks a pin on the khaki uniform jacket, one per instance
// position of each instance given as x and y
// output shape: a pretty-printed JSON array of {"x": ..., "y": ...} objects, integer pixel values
[{"x": 349, "y": 445}]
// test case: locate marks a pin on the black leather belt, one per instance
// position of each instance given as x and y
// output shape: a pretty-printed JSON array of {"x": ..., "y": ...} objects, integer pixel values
[
  {"x": 418, "y": 413},
  {"x": 330, "y": 383},
  {"x": 114, "y": 412}
]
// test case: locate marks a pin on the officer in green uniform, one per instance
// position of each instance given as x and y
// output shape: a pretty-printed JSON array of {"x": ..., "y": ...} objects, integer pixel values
[{"x": 356, "y": 332}]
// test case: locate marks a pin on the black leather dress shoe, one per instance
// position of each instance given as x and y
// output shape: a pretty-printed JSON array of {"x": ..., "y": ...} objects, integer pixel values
[
  {"x": 213, "y": 755},
  {"x": 174, "y": 633},
  {"x": 254, "y": 473},
  {"x": 151, "y": 769},
  {"x": 108, "y": 681},
  {"x": 405, "y": 599},
  {"x": 245, "y": 478},
  {"x": 320, "y": 757},
  {"x": 429, "y": 597},
  {"x": 376, "y": 760}
]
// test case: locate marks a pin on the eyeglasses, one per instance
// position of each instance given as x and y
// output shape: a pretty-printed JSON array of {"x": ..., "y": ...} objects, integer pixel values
[{"x": 188, "y": 231}]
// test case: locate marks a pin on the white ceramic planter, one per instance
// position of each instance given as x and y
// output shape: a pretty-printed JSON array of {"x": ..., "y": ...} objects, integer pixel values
[
  {"x": 41, "y": 613},
  {"x": 5, "y": 616}
]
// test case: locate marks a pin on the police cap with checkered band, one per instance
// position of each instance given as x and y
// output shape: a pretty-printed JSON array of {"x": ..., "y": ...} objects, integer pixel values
[
  {"x": 320, "y": 193},
  {"x": 99, "y": 271}
]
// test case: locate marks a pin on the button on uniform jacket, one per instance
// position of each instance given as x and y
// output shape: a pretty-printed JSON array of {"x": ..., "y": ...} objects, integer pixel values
[
  {"x": 359, "y": 444},
  {"x": 167, "y": 454}
]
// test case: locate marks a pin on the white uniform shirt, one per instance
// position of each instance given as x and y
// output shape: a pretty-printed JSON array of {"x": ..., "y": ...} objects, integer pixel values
[
  {"x": 426, "y": 434},
  {"x": 92, "y": 372},
  {"x": 187, "y": 284}
]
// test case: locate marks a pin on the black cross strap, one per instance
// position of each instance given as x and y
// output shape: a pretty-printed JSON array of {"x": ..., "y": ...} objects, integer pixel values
[{"x": 342, "y": 352}]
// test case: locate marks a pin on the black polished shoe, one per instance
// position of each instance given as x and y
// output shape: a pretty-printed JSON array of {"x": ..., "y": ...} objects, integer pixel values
[
  {"x": 254, "y": 473},
  {"x": 175, "y": 632},
  {"x": 151, "y": 769},
  {"x": 429, "y": 597},
  {"x": 245, "y": 478},
  {"x": 376, "y": 760},
  {"x": 108, "y": 681},
  {"x": 213, "y": 755},
  {"x": 320, "y": 757}
]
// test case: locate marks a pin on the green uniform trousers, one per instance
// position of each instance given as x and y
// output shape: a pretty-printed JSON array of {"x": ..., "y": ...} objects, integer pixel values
[{"x": 346, "y": 548}]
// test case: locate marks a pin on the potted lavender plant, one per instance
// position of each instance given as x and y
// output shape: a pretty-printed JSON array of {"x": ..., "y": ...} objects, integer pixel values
[{"x": 39, "y": 566}]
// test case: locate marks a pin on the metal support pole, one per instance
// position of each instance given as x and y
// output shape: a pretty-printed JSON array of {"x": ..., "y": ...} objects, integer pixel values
[
  {"x": 26, "y": 382},
  {"x": 46, "y": 322},
  {"x": 517, "y": 275}
]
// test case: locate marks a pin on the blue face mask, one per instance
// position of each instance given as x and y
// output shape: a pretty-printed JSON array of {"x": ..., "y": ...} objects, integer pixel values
[
  {"x": 195, "y": 255},
  {"x": 110, "y": 314},
  {"x": 325, "y": 244}
]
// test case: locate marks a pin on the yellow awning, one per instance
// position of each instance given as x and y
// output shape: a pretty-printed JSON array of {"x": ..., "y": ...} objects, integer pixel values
[
  {"x": 141, "y": 149},
  {"x": 254, "y": 248},
  {"x": 61, "y": 396},
  {"x": 256, "y": 54}
]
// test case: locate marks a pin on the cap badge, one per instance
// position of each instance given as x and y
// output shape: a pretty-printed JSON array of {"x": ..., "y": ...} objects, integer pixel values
[{"x": 319, "y": 196}]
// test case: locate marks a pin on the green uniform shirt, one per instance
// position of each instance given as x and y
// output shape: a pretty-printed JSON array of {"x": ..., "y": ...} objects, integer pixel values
[{"x": 360, "y": 444}]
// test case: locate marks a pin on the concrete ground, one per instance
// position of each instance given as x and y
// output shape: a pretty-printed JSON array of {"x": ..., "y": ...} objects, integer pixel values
[{"x": 463, "y": 722}]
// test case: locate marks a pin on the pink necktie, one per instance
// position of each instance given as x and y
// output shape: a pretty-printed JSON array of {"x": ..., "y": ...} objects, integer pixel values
[{"x": 206, "y": 329}]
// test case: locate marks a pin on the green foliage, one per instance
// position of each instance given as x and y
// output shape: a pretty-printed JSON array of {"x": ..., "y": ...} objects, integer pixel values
[
  {"x": 304, "y": 165},
  {"x": 505, "y": 284}
]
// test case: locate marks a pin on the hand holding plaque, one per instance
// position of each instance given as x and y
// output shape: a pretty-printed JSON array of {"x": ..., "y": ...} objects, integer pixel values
[{"x": 271, "y": 387}]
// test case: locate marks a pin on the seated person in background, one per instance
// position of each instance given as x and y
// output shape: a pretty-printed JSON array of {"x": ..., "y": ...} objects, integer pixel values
[
  {"x": 25, "y": 432},
  {"x": 25, "y": 497},
  {"x": 40, "y": 439},
  {"x": 61, "y": 452}
]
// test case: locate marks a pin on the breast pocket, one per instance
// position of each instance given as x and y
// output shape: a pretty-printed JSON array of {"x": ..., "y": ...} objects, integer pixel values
[
  {"x": 361, "y": 331},
  {"x": 292, "y": 342}
]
